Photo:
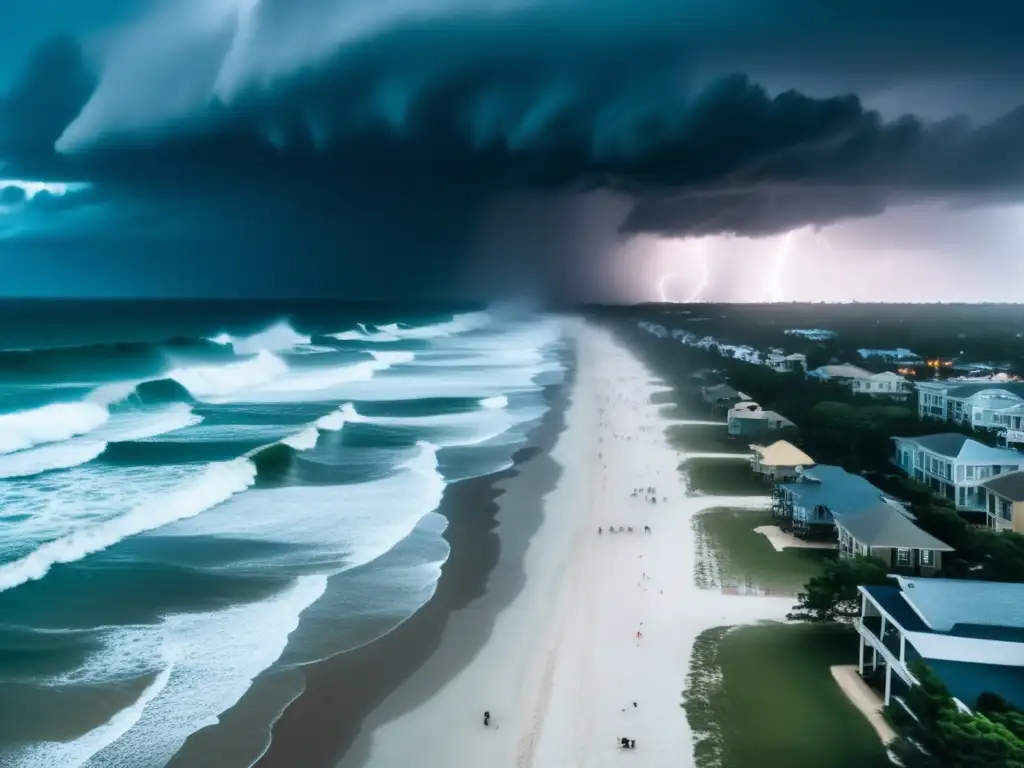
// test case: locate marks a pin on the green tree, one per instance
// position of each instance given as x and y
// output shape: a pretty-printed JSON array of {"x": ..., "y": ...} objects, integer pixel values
[
  {"x": 940, "y": 734},
  {"x": 833, "y": 595}
]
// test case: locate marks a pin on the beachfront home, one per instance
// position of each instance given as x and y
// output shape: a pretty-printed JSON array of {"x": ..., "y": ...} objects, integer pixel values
[
  {"x": 779, "y": 462},
  {"x": 721, "y": 396},
  {"x": 844, "y": 374},
  {"x": 748, "y": 419},
  {"x": 781, "y": 363},
  {"x": 1011, "y": 433},
  {"x": 955, "y": 466},
  {"x": 981, "y": 404},
  {"x": 808, "y": 505},
  {"x": 1006, "y": 502},
  {"x": 885, "y": 530},
  {"x": 884, "y": 384},
  {"x": 970, "y": 633}
]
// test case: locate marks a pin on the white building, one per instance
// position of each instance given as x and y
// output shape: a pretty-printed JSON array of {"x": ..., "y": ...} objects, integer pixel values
[
  {"x": 844, "y": 373},
  {"x": 898, "y": 355},
  {"x": 969, "y": 633},
  {"x": 782, "y": 363},
  {"x": 986, "y": 404},
  {"x": 955, "y": 466},
  {"x": 884, "y": 384}
]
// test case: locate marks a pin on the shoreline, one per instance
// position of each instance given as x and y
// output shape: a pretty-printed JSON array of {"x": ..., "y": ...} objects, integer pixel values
[{"x": 343, "y": 696}]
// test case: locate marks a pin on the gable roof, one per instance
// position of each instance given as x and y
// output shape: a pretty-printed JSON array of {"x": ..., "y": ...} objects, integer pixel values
[
  {"x": 957, "y": 446},
  {"x": 782, "y": 453},
  {"x": 835, "y": 488},
  {"x": 843, "y": 371},
  {"x": 882, "y": 525},
  {"x": 1009, "y": 486},
  {"x": 968, "y": 389},
  {"x": 722, "y": 392}
]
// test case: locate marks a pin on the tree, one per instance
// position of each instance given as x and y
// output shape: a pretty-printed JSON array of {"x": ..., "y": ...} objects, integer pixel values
[
  {"x": 940, "y": 734},
  {"x": 833, "y": 596}
]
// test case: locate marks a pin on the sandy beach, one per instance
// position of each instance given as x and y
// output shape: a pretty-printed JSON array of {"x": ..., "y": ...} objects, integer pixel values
[{"x": 596, "y": 645}]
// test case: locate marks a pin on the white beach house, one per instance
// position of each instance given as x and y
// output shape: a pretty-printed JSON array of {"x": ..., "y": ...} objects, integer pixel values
[
  {"x": 970, "y": 633},
  {"x": 884, "y": 384},
  {"x": 844, "y": 373},
  {"x": 990, "y": 404},
  {"x": 955, "y": 466},
  {"x": 1006, "y": 502}
]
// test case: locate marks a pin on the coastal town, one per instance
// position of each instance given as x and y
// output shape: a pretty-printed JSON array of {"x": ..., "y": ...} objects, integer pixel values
[{"x": 903, "y": 475}]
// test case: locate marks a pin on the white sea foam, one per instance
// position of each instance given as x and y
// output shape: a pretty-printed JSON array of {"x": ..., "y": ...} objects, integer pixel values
[
  {"x": 47, "y": 458},
  {"x": 217, "y": 483},
  {"x": 276, "y": 338},
  {"x": 205, "y": 662},
  {"x": 206, "y": 381},
  {"x": 332, "y": 422},
  {"x": 354, "y": 524},
  {"x": 363, "y": 333},
  {"x": 395, "y": 332},
  {"x": 304, "y": 440},
  {"x": 499, "y": 401},
  {"x": 141, "y": 425},
  {"x": 48, "y": 424}
]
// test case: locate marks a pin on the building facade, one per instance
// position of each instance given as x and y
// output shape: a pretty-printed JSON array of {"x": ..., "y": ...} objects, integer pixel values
[
  {"x": 969, "y": 633},
  {"x": 955, "y": 466},
  {"x": 1006, "y": 502},
  {"x": 981, "y": 404},
  {"x": 885, "y": 384},
  {"x": 886, "y": 531}
]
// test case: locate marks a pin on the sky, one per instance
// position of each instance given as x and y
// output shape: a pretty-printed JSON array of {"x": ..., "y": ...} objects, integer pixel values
[{"x": 610, "y": 150}]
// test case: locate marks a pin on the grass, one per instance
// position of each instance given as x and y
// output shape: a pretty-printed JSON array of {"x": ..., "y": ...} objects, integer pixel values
[
  {"x": 745, "y": 557},
  {"x": 703, "y": 438},
  {"x": 723, "y": 477},
  {"x": 762, "y": 696}
]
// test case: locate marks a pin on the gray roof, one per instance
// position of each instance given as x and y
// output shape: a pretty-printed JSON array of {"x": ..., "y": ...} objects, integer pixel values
[
  {"x": 722, "y": 392},
  {"x": 957, "y": 446},
  {"x": 1009, "y": 486},
  {"x": 836, "y": 489},
  {"x": 882, "y": 525}
]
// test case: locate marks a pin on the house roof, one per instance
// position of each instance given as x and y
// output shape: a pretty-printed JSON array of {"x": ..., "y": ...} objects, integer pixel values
[
  {"x": 957, "y": 446},
  {"x": 844, "y": 371},
  {"x": 776, "y": 416},
  {"x": 835, "y": 488},
  {"x": 886, "y": 376},
  {"x": 782, "y": 453},
  {"x": 722, "y": 392},
  {"x": 1009, "y": 486},
  {"x": 882, "y": 525},
  {"x": 966, "y": 390},
  {"x": 946, "y": 603}
]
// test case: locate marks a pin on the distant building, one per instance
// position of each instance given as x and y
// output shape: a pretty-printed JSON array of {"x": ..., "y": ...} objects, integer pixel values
[
  {"x": 969, "y": 633},
  {"x": 1006, "y": 502},
  {"x": 980, "y": 404},
  {"x": 955, "y": 466},
  {"x": 747, "y": 419},
  {"x": 884, "y": 384},
  {"x": 721, "y": 396},
  {"x": 781, "y": 363},
  {"x": 779, "y": 462},
  {"x": 885, "y": 530},
  {"x": 844, "y": 373}
]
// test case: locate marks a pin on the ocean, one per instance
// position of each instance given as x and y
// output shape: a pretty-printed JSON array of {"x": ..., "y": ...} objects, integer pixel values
[{"x": 195, "y": 494}]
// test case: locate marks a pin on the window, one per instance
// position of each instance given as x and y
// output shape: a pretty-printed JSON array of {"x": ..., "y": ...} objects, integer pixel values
[
  {"x": 902, "y": 556},
  {"x": 1005, "y": 510},
  {"x": 927, "y": 558},
  {"x": 970, "y": 473},
  {"x": 959, "y": 473}
]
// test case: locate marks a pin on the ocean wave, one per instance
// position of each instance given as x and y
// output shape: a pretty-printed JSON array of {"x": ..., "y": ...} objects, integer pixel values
[
  {"x": 49, "y": 424},
  {"x": 277, "y": 338},
  {"x": 205, "y": 381},
  {"x": 304, "y": 440},
  {"x": 217, "y": 483},
  {"x": 48, "y": 458},
  {"x": 494, "y": 402},
  {"x": 142, "y": 425},
  {"x": 392, "y": 332}
]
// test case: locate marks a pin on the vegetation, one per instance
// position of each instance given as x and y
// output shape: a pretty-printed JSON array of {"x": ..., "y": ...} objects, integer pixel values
[
  {"x": 833, "y": 596},
  {"x": 940, "y": 734},
  {"x": 763, "y": 696}
]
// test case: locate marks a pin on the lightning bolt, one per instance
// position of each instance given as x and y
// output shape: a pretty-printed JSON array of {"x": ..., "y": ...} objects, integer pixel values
[
  {"x": 661, "y": 286},
  {"x": 702, "y": 283}
]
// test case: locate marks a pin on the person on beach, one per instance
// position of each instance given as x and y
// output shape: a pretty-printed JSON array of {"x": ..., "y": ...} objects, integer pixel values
[{"x": 487, "y": 718}]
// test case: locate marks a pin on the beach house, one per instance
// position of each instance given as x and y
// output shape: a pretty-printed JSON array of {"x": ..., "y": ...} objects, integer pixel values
[
  {"x": 782, "y": 363},
  {"x": 898, "y": 355},
  {"x": 1006, "y": 502},
  {"x": 721, "y": 396},
  {"x": 747, "y": 419},
  {"x": 809, "y": 504},
  {"x": 779, "y": 462},
  {"x": 884, "y": 384},
  {"x": 970, "y": 633},
  {"x": 981, "y": 404},
  {"x": 844, "y": 374},
  {"x": 955, "y": 466},
  {"x": 886, "y": 530}
]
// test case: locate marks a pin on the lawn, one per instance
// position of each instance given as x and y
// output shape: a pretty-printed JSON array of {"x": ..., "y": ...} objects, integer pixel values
[
  {"x": 763, "y": 697},
  {"x": 744, "y": 558},
  {"x": 723, "y": 477},
  {"x": 703, "y": 438}
]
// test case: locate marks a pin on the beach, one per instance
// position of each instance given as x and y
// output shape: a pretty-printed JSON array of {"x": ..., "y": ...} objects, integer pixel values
[{"x": 596, "y": 644}]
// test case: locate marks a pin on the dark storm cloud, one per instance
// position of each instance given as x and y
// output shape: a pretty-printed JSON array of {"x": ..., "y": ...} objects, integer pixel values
[{"x": 383, "y": 128}]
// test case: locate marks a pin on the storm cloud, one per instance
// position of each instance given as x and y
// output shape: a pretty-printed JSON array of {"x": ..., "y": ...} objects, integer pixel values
[{"x": 362, "y": 129}]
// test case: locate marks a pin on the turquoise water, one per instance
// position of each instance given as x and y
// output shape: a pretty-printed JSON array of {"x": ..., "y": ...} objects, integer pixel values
[{"x": 186, "y": 506}]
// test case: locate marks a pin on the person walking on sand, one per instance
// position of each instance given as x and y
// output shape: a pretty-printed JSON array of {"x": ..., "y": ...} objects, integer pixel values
[{"x": 487, "y": 718}]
